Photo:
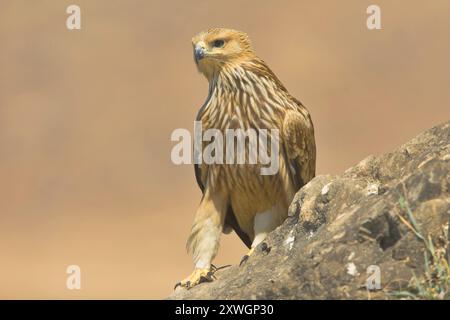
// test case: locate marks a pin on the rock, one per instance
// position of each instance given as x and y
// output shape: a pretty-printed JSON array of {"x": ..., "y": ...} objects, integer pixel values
[{"x": 339, "y": 226}]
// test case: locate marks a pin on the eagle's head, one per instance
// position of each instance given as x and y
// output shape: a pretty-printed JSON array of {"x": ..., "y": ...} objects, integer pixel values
[{"x": 216, "y": 48}]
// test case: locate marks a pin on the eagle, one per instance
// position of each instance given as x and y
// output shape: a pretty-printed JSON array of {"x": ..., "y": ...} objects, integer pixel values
[{"x": 245, "y": 94}]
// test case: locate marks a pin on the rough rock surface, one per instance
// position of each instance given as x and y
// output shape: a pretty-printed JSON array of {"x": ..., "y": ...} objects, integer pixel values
[{"x": 338, "y": 226}]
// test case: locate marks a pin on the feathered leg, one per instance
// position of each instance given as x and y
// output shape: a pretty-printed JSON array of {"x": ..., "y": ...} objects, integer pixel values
[{"x": 203, "y": 242}]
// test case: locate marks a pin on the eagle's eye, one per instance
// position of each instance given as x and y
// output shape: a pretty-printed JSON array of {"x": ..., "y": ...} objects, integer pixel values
[{"x": 218, "y": 43}]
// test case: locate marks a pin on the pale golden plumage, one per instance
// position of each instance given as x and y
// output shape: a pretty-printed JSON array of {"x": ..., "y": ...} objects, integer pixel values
[{"x": 244, "y": 93}]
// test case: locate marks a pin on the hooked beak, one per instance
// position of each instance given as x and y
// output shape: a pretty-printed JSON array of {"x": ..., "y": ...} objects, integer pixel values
[{"x": 199, "y": 53}]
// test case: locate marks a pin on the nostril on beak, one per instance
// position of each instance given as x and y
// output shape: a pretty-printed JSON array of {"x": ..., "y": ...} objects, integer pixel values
[{"x": 199, "y": 53}]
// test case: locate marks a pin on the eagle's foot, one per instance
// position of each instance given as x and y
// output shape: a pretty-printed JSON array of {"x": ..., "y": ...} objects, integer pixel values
[{"x": 199, "y": 275}]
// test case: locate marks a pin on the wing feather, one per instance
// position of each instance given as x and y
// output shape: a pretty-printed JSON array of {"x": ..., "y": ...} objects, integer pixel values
[{"x": 299, "y": 145}]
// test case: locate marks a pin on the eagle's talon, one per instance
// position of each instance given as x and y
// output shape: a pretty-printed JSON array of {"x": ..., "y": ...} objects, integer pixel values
[
  {"x": 265, "y": 248},
  {"x": 245, "y": 258},
  {"x": 214, "y": 268}
]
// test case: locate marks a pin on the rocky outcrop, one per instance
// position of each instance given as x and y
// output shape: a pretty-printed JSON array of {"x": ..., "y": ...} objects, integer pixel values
[{"x": 384, "y": 219}]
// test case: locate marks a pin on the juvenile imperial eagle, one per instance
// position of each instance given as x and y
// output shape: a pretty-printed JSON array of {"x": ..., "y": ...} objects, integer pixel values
[{"x": 244, "y": 93}]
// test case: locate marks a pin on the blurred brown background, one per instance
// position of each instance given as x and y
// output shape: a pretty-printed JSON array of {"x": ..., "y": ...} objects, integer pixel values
[{"x": 86, "y": 118}]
